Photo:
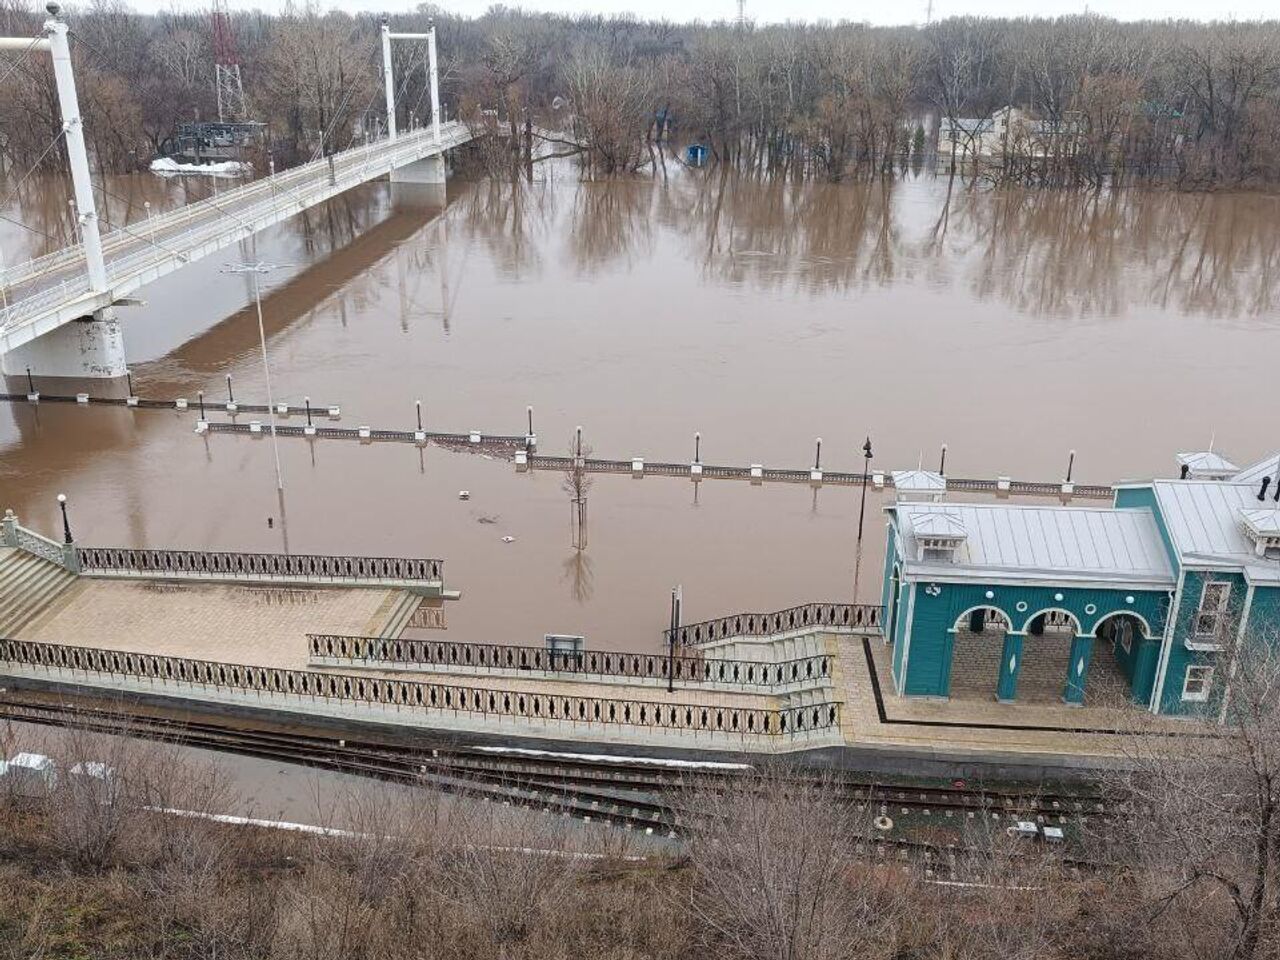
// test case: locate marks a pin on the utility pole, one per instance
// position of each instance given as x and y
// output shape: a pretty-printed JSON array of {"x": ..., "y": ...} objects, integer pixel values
[{"x": 256, "y": 269}]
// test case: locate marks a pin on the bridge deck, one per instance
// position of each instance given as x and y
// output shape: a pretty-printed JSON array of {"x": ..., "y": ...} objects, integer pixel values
[{"x": 45, "y": 293}]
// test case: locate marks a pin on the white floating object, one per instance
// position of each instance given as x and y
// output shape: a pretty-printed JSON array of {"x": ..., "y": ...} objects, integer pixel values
[
  {"x": 33, "y": 397},
  {"x": 474, "y": 436},
  {"x": 308, "y": 431},
  {"x": 522, "y": 460},
  {"x": 130, "y": 401},
  {"x": 255, "y": 426},
  {"x": 335, "y": 413},
  {"x": 202, "y": 426},
  {"x": 695, "y": 470},
  {"x": 637, "y": 466},
  {"x": 757, "y": 472},
  {"x": 282, "y": 409},
  {"x": 464, "y": 494},
  {"x": 232, "y": 407},
  {"x": 82, "y": 398},
  {"x": 530, "y": 439},
  {"x": 508, "y": 539},
  {"x": 365, "y": 433},
  {"x": 877, "y": 479},
  {"x": 1003, "y": 484},
  {"x": 180, "y": 403},
  {"x": 815, "y": 477},
  {"x": 419, "y": 436},
  {"x": 1068, "y": 489}
]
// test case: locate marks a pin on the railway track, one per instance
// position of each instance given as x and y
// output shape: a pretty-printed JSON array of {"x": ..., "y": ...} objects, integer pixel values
[
  {"x": 584, "y": 773},
  {"x": 629, "y": 793}
]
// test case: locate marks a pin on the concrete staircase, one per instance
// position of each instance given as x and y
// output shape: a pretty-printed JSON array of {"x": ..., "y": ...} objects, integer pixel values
[
  {"x": 399, "y": 615},
  {"x": 28, "y": 586}
]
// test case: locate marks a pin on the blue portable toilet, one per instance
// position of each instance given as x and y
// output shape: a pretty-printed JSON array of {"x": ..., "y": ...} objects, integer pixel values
[{"x": 696, "y": 154}]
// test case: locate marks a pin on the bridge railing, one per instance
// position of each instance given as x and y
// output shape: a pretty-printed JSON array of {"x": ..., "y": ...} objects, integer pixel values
[
  {"x": 141, "y": 230},
  {"x": 256, "y": 566},
  {"x": 377, "y": 652},
  {"x": 274, "y": 686},
  {"x": 835, "y": 617},
  {"x": 252, "y": 205}
]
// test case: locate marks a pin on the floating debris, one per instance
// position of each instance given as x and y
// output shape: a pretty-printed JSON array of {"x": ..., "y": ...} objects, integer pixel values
[
  {"x": 464, "y": 494},
  {"x": 508, "y": 539}
]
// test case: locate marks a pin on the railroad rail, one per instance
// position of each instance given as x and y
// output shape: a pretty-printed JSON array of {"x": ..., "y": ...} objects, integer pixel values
[
  {"x": 617, "y": 773},
  {"x": 383, "y": 652},
  {"x": 629, "y": 793}
]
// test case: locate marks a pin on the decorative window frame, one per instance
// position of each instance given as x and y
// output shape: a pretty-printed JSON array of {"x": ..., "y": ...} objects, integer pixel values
[
  {"x": 1204, "y": 675},
  {"x": 1209, "y": 640}
]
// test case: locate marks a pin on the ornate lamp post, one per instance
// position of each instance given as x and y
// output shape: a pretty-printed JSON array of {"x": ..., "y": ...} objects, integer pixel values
[
  {"x": 866, "y": 469},
  {"x": 66, "y": 524}
]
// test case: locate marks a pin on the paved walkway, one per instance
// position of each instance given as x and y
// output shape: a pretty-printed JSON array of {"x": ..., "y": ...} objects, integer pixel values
[
  {"x": 205, "y": 621},
  {"x": 268, "y": 626},
  {"x": 973, "y": 726}
]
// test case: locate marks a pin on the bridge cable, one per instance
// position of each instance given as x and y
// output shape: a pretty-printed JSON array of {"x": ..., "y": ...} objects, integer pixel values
[
  {"x": 22, "y": 56},
  {"x": 337, "y": 115}
]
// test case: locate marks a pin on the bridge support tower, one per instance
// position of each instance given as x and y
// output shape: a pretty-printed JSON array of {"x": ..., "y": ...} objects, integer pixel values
[{"x": 92, "y": 348}]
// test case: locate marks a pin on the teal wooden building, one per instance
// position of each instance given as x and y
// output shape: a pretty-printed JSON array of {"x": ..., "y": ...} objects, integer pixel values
[{"x": 1043, "y": 602}]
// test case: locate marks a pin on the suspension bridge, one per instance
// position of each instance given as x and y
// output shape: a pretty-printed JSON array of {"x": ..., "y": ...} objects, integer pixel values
[{"x": 57, "y": 318}]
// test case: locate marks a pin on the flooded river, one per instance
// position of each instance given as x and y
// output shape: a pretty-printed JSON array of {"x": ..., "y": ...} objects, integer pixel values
[{"x": 1011, "y": 325}]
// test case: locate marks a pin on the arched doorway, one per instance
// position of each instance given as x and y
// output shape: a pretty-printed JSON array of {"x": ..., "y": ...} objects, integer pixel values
[
  {"x": 1051, "y": 658},
  {"x": 977, "y": 651},
  {"x": 1125, "y": 656}
]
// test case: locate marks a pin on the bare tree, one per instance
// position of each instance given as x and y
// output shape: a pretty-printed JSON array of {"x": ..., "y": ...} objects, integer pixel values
[{"x": 775, "y": 871}]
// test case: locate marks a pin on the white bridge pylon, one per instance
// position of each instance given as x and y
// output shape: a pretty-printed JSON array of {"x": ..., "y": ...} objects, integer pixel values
[
  {"x": 97, "y": 349},
  {"x": 431, "y": 169},
  {"x": 57, "y": 311}
]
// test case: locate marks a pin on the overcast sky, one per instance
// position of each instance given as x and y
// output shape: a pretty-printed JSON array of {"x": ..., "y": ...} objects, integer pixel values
[{"x": 879, "y": 12}]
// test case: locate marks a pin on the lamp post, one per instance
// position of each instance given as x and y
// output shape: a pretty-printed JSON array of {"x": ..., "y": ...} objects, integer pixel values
[
  {"x": 677, "y": 601},
  {"x": 866, "y": 469},
  {"x": 66, "y": 524},
  {"x": 255, "y": 269}
]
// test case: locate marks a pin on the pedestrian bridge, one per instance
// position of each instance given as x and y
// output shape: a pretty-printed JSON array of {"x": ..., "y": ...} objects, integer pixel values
[{"x": 54, "y": 290}]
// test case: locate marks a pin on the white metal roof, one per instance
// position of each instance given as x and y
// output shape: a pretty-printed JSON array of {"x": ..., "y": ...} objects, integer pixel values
[
  {"x": 33, "y": 761},
  {"x": 1266, "y": 467},
  {"x": 939, "y": 524},
  {"x": 1207, "y": 462},
  {"x": 1005, "y": 542},
  {"x": 918, "y": 481},
  {"x": 1204, "y": 522},
  {"x": 1264, "y": 521}
]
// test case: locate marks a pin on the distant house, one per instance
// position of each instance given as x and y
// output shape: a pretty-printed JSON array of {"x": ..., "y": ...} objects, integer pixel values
[{"x": 1010, "y": 131}]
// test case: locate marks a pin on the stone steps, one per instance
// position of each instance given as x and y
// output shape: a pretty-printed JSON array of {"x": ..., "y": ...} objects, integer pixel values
[
  {"x": 400, "y": 614},
  {"x": 28, "y": 585}
]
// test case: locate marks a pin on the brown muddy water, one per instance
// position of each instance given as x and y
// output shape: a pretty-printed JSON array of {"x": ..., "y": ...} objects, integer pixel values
[{"x": 1011, "y": 325}]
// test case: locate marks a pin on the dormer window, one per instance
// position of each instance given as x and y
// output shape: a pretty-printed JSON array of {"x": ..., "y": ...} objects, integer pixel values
[
  {"x": 938, "y": 537},
  {"x": 938, "y": 551}
]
